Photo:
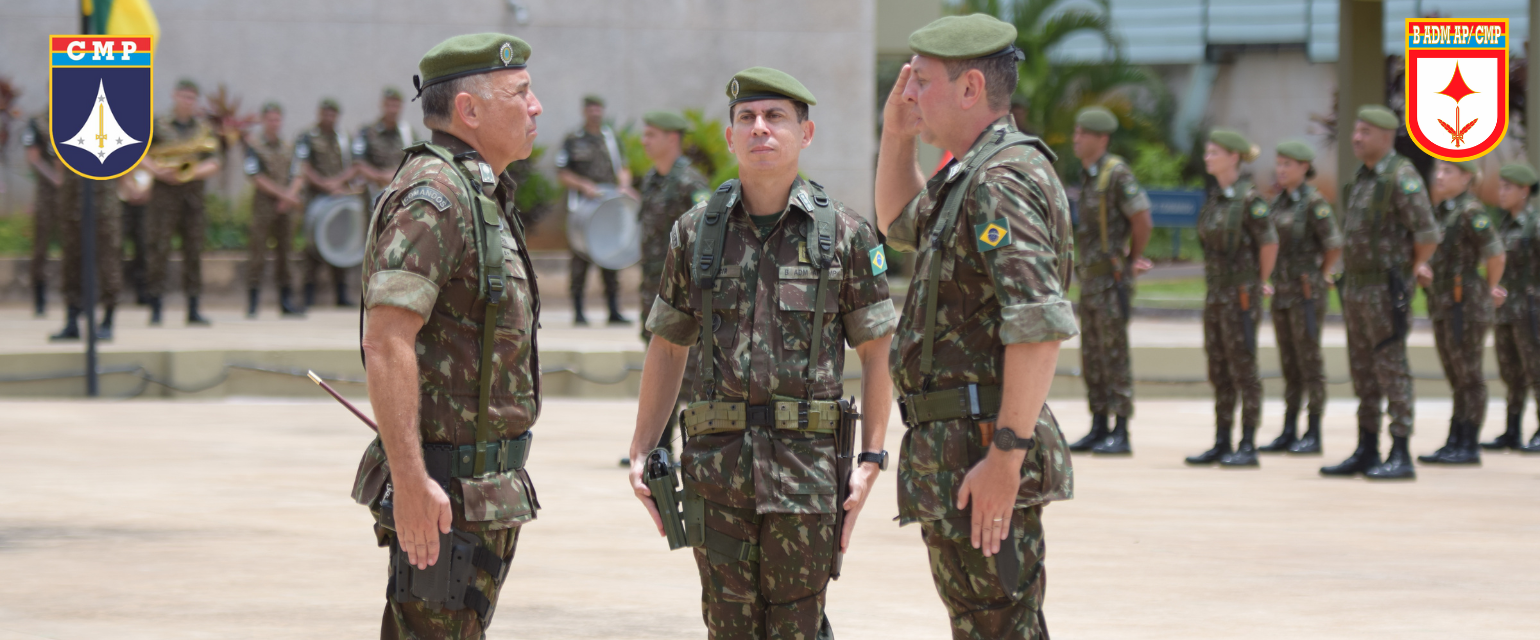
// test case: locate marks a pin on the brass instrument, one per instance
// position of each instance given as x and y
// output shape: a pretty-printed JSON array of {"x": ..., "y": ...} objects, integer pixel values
[{"x": 184, "y": 156}]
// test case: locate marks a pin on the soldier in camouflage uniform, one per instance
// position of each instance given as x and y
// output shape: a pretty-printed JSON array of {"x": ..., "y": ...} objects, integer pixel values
[
  {"x": 1109, "y": 254},
  {"x": 326, "y": 161},
  {"x": 1309, "y": 244},
  {"x": 109, "y": 252},
  {"x": 380, "y": 146},
  {"x": 975, "y": 350},
  {"x": 1389, "y": 234},
  {"x": 1461, "y": 303},
  {"x": 176, "y": 200},
  {"x": 798, "y": 276},
  {"x": 45, "y": 203},
  {"x": 1240, "y": 246},
  {"x": 452, "y": 308},
  {"x": 275, "y": 207},
  {"x": 1517, "y": 330},
  {"x": 670, "y": 188},
  {"x": 589, "y": 158}
]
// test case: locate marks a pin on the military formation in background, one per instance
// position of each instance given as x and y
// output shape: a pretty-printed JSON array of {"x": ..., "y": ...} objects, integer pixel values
[{"x": 590, "y": 162}]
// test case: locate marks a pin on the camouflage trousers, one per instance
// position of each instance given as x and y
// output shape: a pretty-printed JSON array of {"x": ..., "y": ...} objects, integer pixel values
[
  {"x": 577, "y": 282},
  {"x": 996, "y": 597},
  {"x": 1232, "y": 367},
  {"x": 419, "y": 621},
  {"x": 1299, "y": 353},
  {"x": 175, "y": 209},
  {"x": 268, "y": 224},
  {"x": 1381, "y": 374},
  {"x": 781, "y": 595},
  {"x": 1104, "y": 359},
  {"x": 45, "y": 225},
  {"x": 1518, "y": 361},
  {"x": 109, "y": 240},
  {"x": 1461, "y": 360}
]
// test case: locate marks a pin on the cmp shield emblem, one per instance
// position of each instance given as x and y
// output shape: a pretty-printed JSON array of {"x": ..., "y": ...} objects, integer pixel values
[
  {"x": 101, "y": 107},
  {"x": 1456, "y": 86}
]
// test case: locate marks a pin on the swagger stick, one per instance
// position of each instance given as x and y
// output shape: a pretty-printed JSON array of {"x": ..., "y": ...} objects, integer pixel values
[{"x": 317, "y": 379}]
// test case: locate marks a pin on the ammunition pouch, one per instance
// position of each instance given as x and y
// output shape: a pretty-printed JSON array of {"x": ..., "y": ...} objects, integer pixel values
[
  {"x": 971, "y": 401},
  {"x": 662, "y": 477},
  {"x": 448, "y": 584},
  {"x": 818, "y": 416}
]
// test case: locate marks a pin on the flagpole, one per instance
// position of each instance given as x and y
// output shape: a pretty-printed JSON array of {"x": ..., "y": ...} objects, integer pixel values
[{"x": 88, "y": 259}]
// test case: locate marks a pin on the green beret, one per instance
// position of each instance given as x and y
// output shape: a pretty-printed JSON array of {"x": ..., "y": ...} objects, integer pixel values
[
  {"x": 1468, "y": 166},
  {"x": 1230, "y": 140},
  {"x": 330, "y": 103},
  {"x": 469, "y": 55},
  {"x": 666, "y": 120},
  {"x": 271, "y": 106},
  {"x": 1096, "y": 120},
  {"x": 593, "y": 99},
  {"x": 764, "y": 83},
  {"x": 391, "y": 93},
  {"x": 1379, "y": 116},
  {"x": 1518, "y": 173},
  {"x": 966, "y": 37},
  {"x": 187, "y": 84},
  {"x": 1297, "y": 150}
]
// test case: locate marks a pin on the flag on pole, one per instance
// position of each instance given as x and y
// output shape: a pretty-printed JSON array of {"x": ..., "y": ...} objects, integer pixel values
[{"x": 118, "y": 17}]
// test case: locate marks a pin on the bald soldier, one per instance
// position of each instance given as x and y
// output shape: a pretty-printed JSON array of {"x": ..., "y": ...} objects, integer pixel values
[
  {"x": 1389, "y": 234},
  {"x": 1110, "y": 235},
  {"x": 980, "y": 331},
  {"x": 454, "y": 375},
  {"x": 771, "y": 278}
]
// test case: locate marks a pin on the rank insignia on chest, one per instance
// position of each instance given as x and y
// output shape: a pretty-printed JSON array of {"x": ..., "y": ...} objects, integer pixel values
[
  {"x": 1322, "y": 211},
  {"x": 802, "y": 254},
  {"x": 1258, "y": 209},
  {"x": 879, "y": 261},
  {"x": 993, "y": 235},
  {"x": 1480, "y": 222}
]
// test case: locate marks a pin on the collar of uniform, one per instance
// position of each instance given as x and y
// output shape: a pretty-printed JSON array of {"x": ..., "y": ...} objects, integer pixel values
[
  {"x": 1229, "y": 192},
  {"x": 456, "y": 146},
  {"x": 1384, "y": 163},
  {"x": 799, "y": 190},
  {"x": 680, "y": 163},
  {"x": 1096, "y": 167},
  {"x": 1005, "y": 123},
  {"x": 1295, "y": 194},
  {"x": 1449, "y": 204}
]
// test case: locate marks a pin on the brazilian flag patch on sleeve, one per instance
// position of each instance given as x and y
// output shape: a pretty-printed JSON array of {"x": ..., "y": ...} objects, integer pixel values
[
  {"x": 1259, "y": 209},
  {"x": 1480, "y": 222},
  {"x": 992, "y": 235},
  {"x": 1411, "y": 185},
  {"x": 1322, "y": 211},
  {"x": 879, "y": 261},
  {"x": 700, "y": 196}
]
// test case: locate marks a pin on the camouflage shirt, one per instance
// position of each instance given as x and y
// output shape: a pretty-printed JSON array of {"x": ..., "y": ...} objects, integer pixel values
[
  {"x": 1306, "y": 230},
  {"x": 1374, "y": 243},
  {"x": 762, "y": 325},
  {"x": 1123, "y": 197},
  {"x": 422, "y": 256},
  {"x": 329, "y": 154},
  {"x": 1518, "y": 271},
  {"x": 35, "y": 134},
  {"x": 990, "y": 295},
  {"x": 381, "y": 145},
  {"x": 273, "y": 158},
  {"x": 1232, "y": 227},
  {"x": 1469, "y": 239},
  {"x": 588, "y": 154},
  {"x": 664, "y": 199}
]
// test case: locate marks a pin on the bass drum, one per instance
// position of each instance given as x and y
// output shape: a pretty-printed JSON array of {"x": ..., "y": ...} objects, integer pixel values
[
  {"x": 334, "y": 226},
  {"x": 605, "y": 230}
]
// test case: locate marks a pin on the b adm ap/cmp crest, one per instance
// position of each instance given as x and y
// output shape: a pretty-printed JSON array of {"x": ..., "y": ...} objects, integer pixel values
[
  {"x": 101, "y": 102},
  {"x": 1456, "y": 86}
]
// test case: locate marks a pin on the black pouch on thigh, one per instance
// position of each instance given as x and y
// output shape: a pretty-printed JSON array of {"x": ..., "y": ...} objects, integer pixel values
[{"x": 448, "y": 584}]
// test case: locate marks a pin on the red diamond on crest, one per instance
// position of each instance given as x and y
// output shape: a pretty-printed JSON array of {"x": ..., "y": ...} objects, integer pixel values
[{"x": 1457, "y": 88}]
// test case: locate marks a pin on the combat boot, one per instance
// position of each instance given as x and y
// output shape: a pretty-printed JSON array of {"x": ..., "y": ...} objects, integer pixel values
[
  {"x": 1510, "y": 439},
  {"x": 155, "y": 305},
  {"x": 616, "y": 320},
  {"x": 309, "y": 295},
  {"x": 39, "y": 300},
  {"x": 195, "y": 319},
  {"x": 1220, "y": 450},
  {"x": 286, "y": 303},
  {"x": 104, "y": 328},
  {"x": 1289, "y": 435},
  {"x": 71, "y": 329},
  {"x": 1098, "y": 433},
  {"x": 1449, "y": 445},
  {"x": 342, "y": 295},
  {"x": 252, "y": 296},
  {"x": 1311, "y": 441},
  {"x": 1465, "y": 450},
  {"x": 577, "y": 313},
  {"x": 1364, "y": 458},
  {"x": 1245, "y": 454},
  {"x": 1534, "y": 444},
  {"x": 1398, "y": 463},
  {"x": 1116, "y": 443}
]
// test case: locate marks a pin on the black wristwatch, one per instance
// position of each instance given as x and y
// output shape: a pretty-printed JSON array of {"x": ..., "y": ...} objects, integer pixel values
[
  {"x": 1007, "y": 440},
  {"x": 880, "y": 457}
]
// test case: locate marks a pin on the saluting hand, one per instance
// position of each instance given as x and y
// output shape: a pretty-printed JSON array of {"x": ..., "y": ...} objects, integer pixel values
[
  {"x": 861, "y": 480},
  {"x": 899, "y": 115}
]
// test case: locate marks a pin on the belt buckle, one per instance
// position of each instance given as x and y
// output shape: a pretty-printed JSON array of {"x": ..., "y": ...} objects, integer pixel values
[
  {"x": 759, "y": 415},
  {"x": 903, "y": 410},
  {"x": 973, "y": 401}
]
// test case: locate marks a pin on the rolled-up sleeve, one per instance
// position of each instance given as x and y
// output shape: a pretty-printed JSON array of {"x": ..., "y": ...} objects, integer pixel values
[
  {"x": 1025, "y": 273},
  {"x": 866, "y": 308},
  {"x": 415, "y": 252}
]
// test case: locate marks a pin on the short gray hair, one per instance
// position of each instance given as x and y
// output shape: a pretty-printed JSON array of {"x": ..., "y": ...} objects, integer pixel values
[{"x": 438, "y": 101}]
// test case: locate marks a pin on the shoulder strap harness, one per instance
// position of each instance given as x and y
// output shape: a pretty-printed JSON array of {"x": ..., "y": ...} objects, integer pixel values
[{"x": 1102, "y": 181}]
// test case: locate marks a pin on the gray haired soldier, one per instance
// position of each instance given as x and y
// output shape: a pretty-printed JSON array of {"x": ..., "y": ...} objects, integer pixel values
[
  {"x": 1461, "y": 304},
  {"x": 1389, "y": 234},
  {"x": 1517, "y": 329},
  {"x": 975, "y": 350},
  {"x": 1309, "y": 244},
  {"x": 1109, "y": 254},
  {"x": 454, "y": 375}
]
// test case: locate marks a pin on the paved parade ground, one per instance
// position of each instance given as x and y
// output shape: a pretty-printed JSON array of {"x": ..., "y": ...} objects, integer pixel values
[{"x": 231, "y": 519}]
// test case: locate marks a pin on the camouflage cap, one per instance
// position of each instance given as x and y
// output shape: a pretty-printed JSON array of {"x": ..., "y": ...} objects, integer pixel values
[
  {"x": 271, "y": 106},
  {"x": 965, "y": 38},
  {"x": 391, "y": 93},
  {"x": 1233, "y": 141},
  {"x": 1096, "y": 119},
  {"x": 1297, "y": 150},
  {"x": 469, "y": 55},
  {"x": 1518, "y": 173},
  {"x": 764, "y": 83},
  {"x": 188, "y": 84},
  {"x": 330, "y": 103},
  {"x": 1379, "y": 116},
  {"x": 593, "y": 99},
  {"x": 666, "y": 120}
]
